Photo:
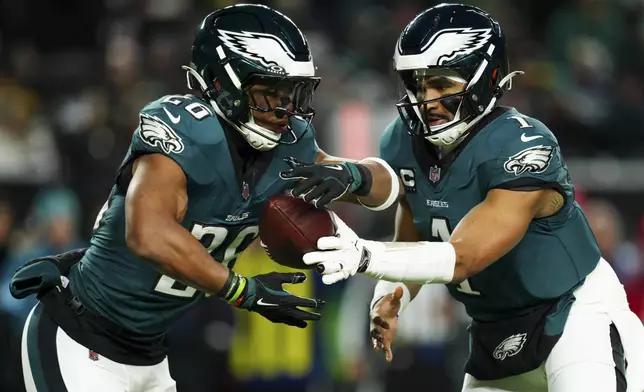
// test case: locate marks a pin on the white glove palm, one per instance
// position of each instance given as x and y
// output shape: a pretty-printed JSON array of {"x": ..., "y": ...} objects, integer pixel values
[{"x": 341, "y": 256}]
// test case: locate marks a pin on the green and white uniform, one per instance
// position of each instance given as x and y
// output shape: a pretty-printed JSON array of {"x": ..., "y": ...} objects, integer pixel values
[
  {"x": 525, "y": 303},
  {"x": 119, "y": 306}
]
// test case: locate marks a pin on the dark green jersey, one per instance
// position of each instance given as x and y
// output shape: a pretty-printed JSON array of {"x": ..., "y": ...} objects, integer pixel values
[
  {"x": 222, "y": 213},
  {"x": 507, "y": 150}
]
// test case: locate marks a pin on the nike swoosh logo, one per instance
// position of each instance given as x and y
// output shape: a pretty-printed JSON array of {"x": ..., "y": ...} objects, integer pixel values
[
  {"x": 334, "y": 167},
  {"x": 525, "y": 138},
  {"x": 175, "y": 120},
  {"x": 262, "y": 303}
]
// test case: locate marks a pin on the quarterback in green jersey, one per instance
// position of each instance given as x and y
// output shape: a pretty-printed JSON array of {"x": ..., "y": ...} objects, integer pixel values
[
  {"x": 184, "y": 205},
  {"x": 489, "y": 210}
]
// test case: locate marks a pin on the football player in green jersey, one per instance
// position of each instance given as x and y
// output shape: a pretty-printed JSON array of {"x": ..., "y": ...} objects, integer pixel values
[
  {"x": 489, "y": 210},
  {"x": 185, "y": 204}
]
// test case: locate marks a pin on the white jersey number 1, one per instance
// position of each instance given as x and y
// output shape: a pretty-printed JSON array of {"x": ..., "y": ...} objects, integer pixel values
[{"x": 439, "y": 229}]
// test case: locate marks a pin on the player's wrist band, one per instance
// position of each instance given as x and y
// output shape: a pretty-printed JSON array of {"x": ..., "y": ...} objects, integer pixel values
[
  {"x": 233, "y": 288},
  {"x": 365, "y": 180},
  {"x": 395, "y": 186}
]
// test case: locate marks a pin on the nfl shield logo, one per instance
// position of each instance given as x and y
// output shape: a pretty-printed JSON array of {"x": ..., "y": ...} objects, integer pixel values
[
  {"x": 434, "y": 173},
  {"x": 93, "y": 356},
  {"x": 245, "y": 190}
]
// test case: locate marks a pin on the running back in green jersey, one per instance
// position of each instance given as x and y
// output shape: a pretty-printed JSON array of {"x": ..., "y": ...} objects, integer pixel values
[
  {"x": 222, "y": 213},
  {"x": 509, "y": 151}
]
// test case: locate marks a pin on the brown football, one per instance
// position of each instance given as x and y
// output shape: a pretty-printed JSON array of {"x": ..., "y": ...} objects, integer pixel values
[{"x": 290, "y": 227}]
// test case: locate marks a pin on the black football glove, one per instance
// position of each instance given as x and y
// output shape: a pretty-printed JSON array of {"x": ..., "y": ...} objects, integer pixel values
[
  {"x": 42, "y": 274},
  {"x": 323, "y": 182},
  {"x": 264, "y": 294}
]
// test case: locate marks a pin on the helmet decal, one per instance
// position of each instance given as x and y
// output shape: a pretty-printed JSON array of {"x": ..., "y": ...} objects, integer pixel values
[
  {"x": 444, "y": 46},
  {"x": 267, "y": 50}
]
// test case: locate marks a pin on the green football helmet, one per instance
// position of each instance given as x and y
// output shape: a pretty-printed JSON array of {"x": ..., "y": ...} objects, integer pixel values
[
  {"x": 246, "y": 45},
  {"x": 461, "y": 43}
]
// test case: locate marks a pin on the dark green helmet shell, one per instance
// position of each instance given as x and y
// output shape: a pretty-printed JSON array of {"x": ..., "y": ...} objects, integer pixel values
[
  {"x": 460, "y": 40},
  {"x": 237, "y": 45}
]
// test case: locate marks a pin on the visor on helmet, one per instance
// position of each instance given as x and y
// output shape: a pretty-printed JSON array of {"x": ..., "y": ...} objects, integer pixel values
[{"x": 286, "y": 96}]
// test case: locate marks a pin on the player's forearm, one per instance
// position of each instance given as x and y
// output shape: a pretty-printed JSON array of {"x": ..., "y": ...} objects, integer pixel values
[
  {"x": 410, "y": 262},
  {"x": 175, "y": 252},
  {"x": 481, "y": 238},
  {"x": 427, "y": 262},
  {"x": 383, "y": 188}
]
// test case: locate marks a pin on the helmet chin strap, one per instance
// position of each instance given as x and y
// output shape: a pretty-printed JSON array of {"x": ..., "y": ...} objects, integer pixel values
[
  {"x": 457, "y": 133},
  {"x": 258, "y": 137}
]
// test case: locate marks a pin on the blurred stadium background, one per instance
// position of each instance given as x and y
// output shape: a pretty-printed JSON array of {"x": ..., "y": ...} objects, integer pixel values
[{"x": 74, "y": 73}]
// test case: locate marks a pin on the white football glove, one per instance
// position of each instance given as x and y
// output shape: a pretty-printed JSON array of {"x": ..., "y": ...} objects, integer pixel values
[{"x": 341, "y": 256}]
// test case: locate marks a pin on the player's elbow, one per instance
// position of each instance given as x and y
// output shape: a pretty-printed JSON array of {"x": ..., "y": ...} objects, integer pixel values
[
  {"x": 140, "y": 239},
  {"x": 469, "y": 262},
  {"x": 461, "y": 272}
]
